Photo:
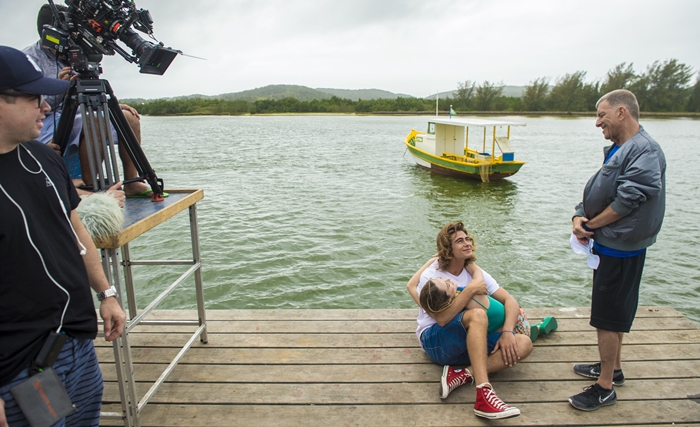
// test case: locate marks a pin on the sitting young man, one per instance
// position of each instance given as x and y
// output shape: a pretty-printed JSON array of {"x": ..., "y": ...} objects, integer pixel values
[{"x": 466, "y": 319}]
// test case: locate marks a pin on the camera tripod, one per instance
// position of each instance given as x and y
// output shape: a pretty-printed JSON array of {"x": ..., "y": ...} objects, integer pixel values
[{"x": 98, "y": 108}]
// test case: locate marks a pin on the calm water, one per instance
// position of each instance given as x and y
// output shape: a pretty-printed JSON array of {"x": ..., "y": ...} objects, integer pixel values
[{"x": 331, "y": 212}]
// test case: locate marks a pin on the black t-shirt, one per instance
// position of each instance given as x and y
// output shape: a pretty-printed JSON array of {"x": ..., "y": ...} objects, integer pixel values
[{"x": 31, "y": 304}]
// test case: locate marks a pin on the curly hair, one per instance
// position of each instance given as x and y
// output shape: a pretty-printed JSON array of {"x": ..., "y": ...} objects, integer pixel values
[
  {"x": 444, "y": 244},
  {"x": 433, "y": 299}
]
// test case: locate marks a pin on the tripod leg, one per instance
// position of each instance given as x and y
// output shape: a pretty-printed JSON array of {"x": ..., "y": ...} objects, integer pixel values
[
  {"x": 132, "y": 146},
  {"x": 98, "y": 141},
  {"x": 92, "y": 145},
  {"x": 108, "y": 147},
  {"x": 70, "y": 107}
]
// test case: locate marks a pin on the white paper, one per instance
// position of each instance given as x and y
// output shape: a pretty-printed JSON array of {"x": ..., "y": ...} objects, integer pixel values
[{"x": 579, "y": 248}]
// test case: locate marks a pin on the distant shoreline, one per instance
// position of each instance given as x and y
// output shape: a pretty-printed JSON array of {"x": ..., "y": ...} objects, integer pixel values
[{"x": 643, "y": 114}]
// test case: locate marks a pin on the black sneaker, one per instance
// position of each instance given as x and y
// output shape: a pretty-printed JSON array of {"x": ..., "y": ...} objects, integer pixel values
[
  {"x": 593, "y": 397},
  {"x": 593, "y": 371}
]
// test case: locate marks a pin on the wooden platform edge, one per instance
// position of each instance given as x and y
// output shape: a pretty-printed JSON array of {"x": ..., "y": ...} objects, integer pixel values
[{"x": 115, "y": 241}]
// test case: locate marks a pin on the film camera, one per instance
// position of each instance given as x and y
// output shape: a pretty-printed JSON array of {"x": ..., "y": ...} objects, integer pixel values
[{"x": 89, "y": 29}]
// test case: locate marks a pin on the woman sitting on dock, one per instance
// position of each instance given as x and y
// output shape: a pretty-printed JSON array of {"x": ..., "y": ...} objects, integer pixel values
[{"x": 452, "y": 333}]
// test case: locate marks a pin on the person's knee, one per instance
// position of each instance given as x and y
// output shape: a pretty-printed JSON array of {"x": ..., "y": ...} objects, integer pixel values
[
  {"x": 524, "y": 345},
  {"x": 133, "y": 121},
  {"x": 475, "y": 317}
]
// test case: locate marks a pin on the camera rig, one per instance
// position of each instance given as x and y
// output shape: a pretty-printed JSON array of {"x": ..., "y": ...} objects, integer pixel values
[
  {"x": 91, "y": 28},
  {"x": 82, "y": 34}
]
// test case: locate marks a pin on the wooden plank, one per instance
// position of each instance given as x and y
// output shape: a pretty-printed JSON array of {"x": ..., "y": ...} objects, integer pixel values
[
  {"x": 394, "y": 373},
  {"x": 533, "y": 414},
  {"x": 404, "y": 340},
  {"x": 142, "y": 215},
  {"x": 383, "y": 326},
  {"x": 383, "y": 314},
  {"x": 261, "y": 393},
  {"x": 292, "y": 327},
  {"x": 689, "y": 336},
  {"x": 202, "y": 355}
]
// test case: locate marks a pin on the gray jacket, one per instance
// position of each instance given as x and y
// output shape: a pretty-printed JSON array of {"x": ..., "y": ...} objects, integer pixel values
[{"x": 633, "y": 184}]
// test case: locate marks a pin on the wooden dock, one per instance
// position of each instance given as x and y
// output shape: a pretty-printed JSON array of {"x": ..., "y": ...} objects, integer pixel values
[{"x": 366, "y": 368}]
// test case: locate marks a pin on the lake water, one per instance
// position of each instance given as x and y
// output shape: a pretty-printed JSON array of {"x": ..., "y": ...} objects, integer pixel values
[{"x": 331, "y": 212}]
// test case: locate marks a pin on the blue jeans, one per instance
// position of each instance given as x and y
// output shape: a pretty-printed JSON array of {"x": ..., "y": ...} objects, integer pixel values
[
  {"x": 80, "y": 373},
  {"x": 447, "y": 345}
]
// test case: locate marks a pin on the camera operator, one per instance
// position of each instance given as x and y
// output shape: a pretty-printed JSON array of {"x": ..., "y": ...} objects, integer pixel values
[
  {"x": 49, "y": 262},
  {"x": 76, "y": 154}
]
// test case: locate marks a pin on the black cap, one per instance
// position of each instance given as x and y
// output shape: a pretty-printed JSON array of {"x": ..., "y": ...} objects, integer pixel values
[{"x": 18, "y": 71}]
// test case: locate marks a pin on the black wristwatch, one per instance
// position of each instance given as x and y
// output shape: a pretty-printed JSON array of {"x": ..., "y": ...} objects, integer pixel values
[{"x": 111, "y": 292}]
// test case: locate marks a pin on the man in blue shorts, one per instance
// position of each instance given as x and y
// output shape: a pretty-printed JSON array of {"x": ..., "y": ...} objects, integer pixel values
[
  {"x": 49, "y": 262},
  {"x": 622, "y": 211}
]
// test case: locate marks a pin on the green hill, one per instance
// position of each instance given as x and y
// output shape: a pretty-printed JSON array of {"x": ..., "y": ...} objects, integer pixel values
[
  {"x": 275, "y": 92},
  {"x": 357, "y": 94},
  {"x": 304, "y": 93}
]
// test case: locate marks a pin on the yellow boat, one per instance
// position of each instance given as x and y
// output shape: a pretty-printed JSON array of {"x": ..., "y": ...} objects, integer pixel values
[{"x": 445, "y": 149}]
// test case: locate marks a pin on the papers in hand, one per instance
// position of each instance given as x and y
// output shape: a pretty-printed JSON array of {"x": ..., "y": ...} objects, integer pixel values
[{"x": 579, "y": 248}]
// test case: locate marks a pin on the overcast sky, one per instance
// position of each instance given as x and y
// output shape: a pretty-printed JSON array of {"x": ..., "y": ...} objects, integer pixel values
[{"x": 415, "y": 47}]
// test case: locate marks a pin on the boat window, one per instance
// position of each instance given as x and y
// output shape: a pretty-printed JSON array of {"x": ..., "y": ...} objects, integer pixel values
[{"x": 431, "y": 128}]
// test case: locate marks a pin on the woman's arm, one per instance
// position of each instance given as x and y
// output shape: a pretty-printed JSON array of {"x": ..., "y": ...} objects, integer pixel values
[
  {"x": 412, "y": 285},
  {"x": 477, "y": 286},
  {"x": 507, "y": 343}
]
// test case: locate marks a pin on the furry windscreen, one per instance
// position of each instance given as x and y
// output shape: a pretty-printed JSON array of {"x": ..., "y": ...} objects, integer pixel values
[{"x": 101, "y": 214}]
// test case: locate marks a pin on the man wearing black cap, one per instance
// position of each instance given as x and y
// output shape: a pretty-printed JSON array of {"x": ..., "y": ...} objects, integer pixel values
[{"x": 49, "y": 262}]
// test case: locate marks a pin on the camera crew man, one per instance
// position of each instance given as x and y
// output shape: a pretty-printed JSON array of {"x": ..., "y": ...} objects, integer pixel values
[
  {"x": 49, "y": 262},
  {"x": 76, "y": 152}
]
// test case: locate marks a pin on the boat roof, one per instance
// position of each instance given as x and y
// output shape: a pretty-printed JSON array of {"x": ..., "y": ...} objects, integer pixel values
[{"x": 472, "y": 122}]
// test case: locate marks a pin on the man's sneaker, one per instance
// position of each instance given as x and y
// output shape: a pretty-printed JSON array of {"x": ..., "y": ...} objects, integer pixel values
[
  {"x": 488, "y": 405},
  {"x": 593, "y": 371},
  {"x": 453, "y": 378},
  {"x": 593, "y": 397}
]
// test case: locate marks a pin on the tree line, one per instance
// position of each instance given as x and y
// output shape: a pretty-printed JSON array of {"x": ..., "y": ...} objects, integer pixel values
[{"x": 663, "y": 87}]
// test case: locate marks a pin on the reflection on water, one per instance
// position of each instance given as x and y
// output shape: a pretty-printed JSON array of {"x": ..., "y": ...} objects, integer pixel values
[{"x": 331, "y": 212}]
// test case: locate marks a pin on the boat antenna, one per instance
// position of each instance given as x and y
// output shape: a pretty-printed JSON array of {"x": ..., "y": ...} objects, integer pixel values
[{"x": 437, "y": 95}]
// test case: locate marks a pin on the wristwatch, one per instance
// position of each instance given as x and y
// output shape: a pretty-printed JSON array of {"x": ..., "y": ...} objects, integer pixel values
[{"x": 111, "y": 292}]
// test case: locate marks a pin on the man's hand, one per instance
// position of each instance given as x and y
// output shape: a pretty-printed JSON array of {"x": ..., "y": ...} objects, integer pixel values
[
  {"x": 477, "y": 287},
  {"x": 116, "y": 192},
  {"x": 509, "y": 348},
  {"x": 55, "y": 147},
  {"x": 3, "y": 420},
  {"x": 113, "y": 317},
  {"x": 66, "y": 73},
  {"x": 577, "y": 228},
  {"x": 130, "y": 109}
]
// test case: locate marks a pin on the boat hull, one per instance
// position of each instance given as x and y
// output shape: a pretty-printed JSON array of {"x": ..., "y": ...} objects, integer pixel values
[{"x": 468, "y": 170}]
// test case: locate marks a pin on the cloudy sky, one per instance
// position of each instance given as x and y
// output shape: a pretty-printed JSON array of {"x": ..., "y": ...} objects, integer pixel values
[{"x": 413, "y": 47}]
